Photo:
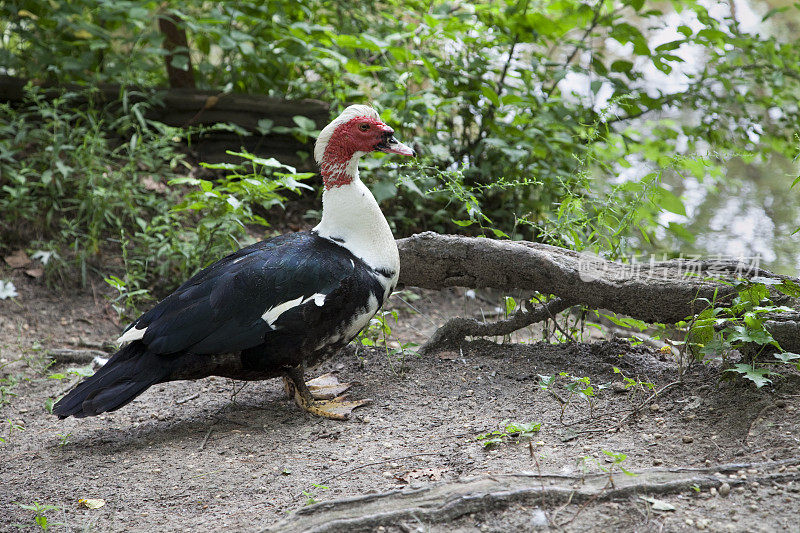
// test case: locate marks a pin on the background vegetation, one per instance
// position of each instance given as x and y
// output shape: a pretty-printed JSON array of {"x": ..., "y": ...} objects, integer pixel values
[{"x": 562, "y": 121}]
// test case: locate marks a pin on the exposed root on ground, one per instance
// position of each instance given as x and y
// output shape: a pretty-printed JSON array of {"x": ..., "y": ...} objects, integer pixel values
[
  {"x": 443, "y": 502},
  {"x": 453, "y": 333}
]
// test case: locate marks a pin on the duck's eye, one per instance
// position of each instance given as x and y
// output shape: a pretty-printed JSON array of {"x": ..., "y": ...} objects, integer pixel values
[{"x": 364, "y": 127}]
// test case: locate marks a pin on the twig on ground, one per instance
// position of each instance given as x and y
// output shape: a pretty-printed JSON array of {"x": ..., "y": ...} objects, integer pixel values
[
  {"x": 585, "y": 504},
  {"x": 68, "y": 355},
  {"x": 205, "y": 439},
  {"x": 340, "y": 474},
  {"x": 188, "y": 398}
]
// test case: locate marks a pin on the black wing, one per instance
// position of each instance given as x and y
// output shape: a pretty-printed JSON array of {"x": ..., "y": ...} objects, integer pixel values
[{"x": 220, "y": 309}]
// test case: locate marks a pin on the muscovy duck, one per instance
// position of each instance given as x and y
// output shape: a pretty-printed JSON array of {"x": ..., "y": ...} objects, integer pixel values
[{"x": 273, "y": 308}]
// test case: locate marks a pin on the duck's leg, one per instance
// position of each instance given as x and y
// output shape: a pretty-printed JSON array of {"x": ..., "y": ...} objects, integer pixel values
[{"x": 320, "y": 396}]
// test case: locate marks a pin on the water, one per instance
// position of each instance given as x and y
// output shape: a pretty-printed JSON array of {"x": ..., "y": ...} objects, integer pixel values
[{"x": 752, "y": 212}]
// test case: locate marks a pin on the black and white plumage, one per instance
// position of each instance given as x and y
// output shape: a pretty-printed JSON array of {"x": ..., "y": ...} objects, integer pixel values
[{"x": 272, "y": 308}]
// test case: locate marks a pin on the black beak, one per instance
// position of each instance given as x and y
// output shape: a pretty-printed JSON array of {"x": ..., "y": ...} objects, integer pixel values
[{"x": 391, "y": 145}]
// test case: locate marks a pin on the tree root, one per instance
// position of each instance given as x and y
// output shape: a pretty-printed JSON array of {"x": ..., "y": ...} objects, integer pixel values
[
  {"x": 453, "y": 333},
  {"x": 655, "y": 292},
  {"x": 444, "y": 502}
]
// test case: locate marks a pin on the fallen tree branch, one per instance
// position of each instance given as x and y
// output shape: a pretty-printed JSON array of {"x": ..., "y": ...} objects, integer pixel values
[
  {"x": 457, "y": 329},
  {"x": 444, "y": 502},
  {"x": 192, "y": 107},
  {"x": 82, "y": 357},
  {"x": 655, "y": 292}
]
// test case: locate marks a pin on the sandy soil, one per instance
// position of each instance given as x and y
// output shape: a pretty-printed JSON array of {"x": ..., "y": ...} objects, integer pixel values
[{"x": 210, "y": 454}]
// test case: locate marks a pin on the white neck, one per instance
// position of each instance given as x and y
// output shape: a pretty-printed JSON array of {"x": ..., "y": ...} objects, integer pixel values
[{"x": 351, "y": 217}]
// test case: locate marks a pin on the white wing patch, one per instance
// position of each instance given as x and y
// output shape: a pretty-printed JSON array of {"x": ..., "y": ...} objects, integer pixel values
[
  {"x": 131, "y": 335},
  {"x": 273, "y": 313}
]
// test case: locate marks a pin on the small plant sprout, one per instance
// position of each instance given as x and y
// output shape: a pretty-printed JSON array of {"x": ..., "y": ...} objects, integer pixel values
[
  {"x": 64, "y": 439},
  {"x": 39, "y": 519},
  {"x": 379, "y": 333},
  {"x": 7, "y": 386},
  {"x": 310, "y": 494},
  {"x": 581, "y": 387},
  {"x": 634, "y": 384},
  {"x": 616, "y": 459},
  {"x": 516, "y": 431}
]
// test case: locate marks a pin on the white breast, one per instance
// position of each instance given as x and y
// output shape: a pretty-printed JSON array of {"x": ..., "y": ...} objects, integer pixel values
[{"x": 351, "y": 217}]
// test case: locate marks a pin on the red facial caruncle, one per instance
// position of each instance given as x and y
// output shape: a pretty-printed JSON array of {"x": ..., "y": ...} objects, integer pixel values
[{"x": 354, "y": 138}]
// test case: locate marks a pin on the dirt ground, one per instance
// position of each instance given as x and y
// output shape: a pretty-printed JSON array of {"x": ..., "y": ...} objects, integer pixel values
[{"x": 212, "y": 454}]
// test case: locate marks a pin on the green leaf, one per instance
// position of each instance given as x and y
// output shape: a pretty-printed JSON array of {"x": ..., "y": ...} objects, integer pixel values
[
  {"x": 491, "y": 95},
  {"x": 756, "y": 375},
  {"x": 305, "y": 123},
  {"x": 621, "y": 66},
  {"x": 511, "y": 304},
  {"x": 669, "y": 202}
]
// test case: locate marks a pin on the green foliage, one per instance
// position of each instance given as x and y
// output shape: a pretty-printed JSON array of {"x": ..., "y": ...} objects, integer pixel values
[
  {"x": 551, "y": 99},
  {"x": 737, "y": 323},
  {"x": 39, "y": 518},
  {"x": 310, "y": 494},
  {"x": 379, "y": 332},
  {"x": 226, "y": 206},
  {"x": 210, "y": 222},
  {"x": 7, "y": 385},
  {"x": 576, "y": 387},
  {"x": 516, "y": 431},
  {"x": 617, "y": 458},
  {"x": 66, "y": 177},
  {"x": 634, "y": 384},
  {"x": 63, "y": 438},
  {"x": 83, "y": 372}
]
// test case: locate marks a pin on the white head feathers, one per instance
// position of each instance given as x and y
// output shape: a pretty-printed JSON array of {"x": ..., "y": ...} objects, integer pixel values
[{"x": 348, "y": 114}]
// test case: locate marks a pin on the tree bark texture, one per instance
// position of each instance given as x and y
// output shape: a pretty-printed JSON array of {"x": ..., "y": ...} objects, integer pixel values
[
  {"x": 444, "y": 502},
  {"x": 176, "y": 43},
  {"x": 662, "y": 291}
]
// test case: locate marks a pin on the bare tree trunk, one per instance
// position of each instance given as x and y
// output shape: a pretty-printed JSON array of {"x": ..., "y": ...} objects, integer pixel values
[{"x": 176, "y": 43}]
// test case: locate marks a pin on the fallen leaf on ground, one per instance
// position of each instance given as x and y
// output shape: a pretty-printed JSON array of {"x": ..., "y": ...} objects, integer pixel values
[
  {"x": 658, "y": 505},
  {"x": 92, "y": 503},
  {"x": 152, "y": 185},
  {"x": 7, "y": 290},
  {"x": 35, "y": 272},
  {"x": 448, "y": 355},
  {"x": 17, "y": 259}
]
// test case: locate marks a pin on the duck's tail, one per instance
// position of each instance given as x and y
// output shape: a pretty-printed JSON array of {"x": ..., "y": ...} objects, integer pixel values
[{"x": 128, "y": 373}]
